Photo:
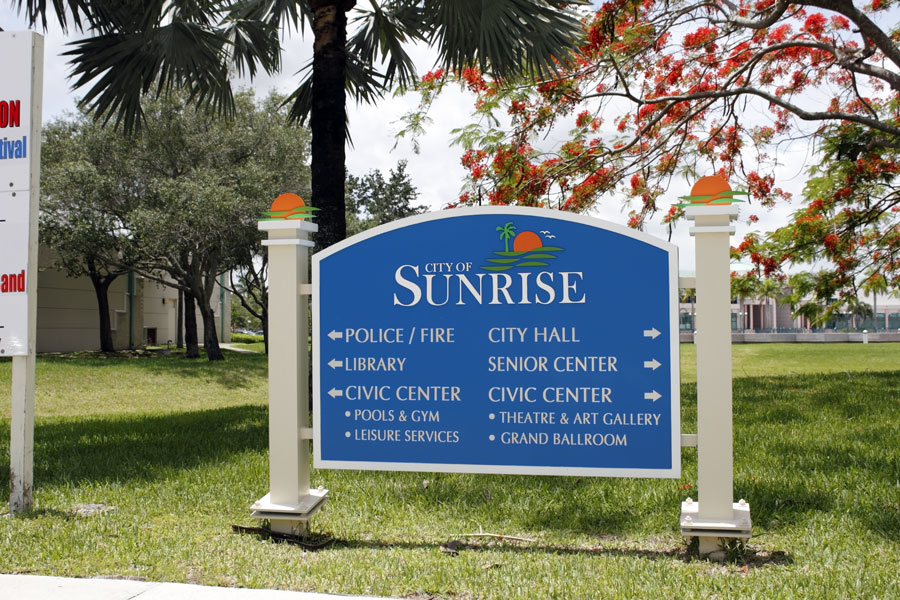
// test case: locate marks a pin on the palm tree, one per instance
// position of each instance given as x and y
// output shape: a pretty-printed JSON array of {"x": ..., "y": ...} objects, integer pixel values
[
  {"x": 154, "y": 46},
  {"x": 506, "y": 232},
  {"x": 768, "y": 289},
  {"x": 689, "y": 295},
  {"x": 743, "y": 287}
]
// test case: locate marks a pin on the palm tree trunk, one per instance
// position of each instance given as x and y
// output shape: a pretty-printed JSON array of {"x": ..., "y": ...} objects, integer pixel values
[{"x": 328, "y": 117}]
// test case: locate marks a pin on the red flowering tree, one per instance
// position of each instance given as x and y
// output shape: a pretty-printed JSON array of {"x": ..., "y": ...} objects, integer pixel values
[
  {"x": 659, "y": 89},
  {"x": 849, "y": 228}
]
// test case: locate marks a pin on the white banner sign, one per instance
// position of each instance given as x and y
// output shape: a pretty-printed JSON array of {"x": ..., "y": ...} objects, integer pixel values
[{"x": 19, "y": 161}]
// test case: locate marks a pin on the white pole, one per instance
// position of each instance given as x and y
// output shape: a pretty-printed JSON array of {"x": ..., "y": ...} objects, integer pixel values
[
  {"x": 715, "y": 471},
  {"x": 21, "y": 455},
  {"x": 290, "y": 501},
  {"x": 21, "y": 450}
]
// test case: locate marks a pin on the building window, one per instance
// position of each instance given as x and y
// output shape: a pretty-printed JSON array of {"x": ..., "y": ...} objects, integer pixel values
[{"x": 894, "y": 321}]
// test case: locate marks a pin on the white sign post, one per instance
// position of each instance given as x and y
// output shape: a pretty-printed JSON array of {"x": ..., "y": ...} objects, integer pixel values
[
  {"x": 716, "y": 515},
  {"x": 21, "y": 76},
  {"x": 290, "y": 503}
]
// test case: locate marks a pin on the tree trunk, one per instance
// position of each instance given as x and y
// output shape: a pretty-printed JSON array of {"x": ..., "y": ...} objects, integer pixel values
[
  {"x": 190, "y": 328},
  {"x": 101, "y": 289},
  {"x": 210, "y": 336},
  {"x": 328, "y": 117},
  {"x": 179, "y": 321}
]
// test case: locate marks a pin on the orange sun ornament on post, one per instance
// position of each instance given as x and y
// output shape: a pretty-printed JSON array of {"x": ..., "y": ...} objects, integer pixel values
[
  {"x": 288, "y": 206},
  {"x": 709, "y": 191}
]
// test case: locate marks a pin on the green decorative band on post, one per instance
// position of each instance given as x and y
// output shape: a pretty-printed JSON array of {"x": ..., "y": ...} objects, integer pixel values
[{"x": 710, "y": 191}]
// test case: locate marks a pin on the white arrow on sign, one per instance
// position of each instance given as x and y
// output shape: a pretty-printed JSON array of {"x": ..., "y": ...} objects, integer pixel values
[
  {"x": 335, "y": 335},
  {"x": 654, "y": 395},
  {"x": 335, "y": 393},
  {"x": 652, "y": 364},
  {"x": 335, "y": 363},
  {"x": 651, "y": 333}
]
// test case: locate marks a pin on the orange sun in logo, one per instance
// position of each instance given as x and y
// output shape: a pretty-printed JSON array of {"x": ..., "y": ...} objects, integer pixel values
[
  {"x": 289, "y": 206},
  {"x": 712, "y": 188},
  {"x": 526, "y": 241},
  {"x": 287, "y": 202}
]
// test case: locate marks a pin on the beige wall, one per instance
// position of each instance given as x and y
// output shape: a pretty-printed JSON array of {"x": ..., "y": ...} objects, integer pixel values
[
  {"x": 68, "y": 321},
  {"x": 67, "y": 315},
  {"x": 161, "y": 312}
]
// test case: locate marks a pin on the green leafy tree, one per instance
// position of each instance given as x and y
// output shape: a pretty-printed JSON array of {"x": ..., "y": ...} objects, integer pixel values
[
  {"x": 250, "y": 289},
  {"x": 241, "y": 317},
  {"x": 372, "y": 200},
  {"x": 207, "y": 182},
  {"x": 848, "y": 234},
  {"x": 188, "y": 191},
  {"x": 82, "y": 208},
  {"x": 156, "y": 46}
]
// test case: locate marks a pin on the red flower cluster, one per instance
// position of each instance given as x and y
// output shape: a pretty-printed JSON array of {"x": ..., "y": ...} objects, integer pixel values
[{"x": 703, "y": 37}]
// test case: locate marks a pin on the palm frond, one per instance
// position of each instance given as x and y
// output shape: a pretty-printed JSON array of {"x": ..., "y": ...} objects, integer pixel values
[
  {"x": 122, "y": 67},
  {"x": 381, "y": 35},
  {"x": 252, "y": 42},
  {"x": 504, "y": 37},
  {"x": 362, "y": 82},
  {"x": 287, "y": 14},
  {"x": 74, "y": 12}
]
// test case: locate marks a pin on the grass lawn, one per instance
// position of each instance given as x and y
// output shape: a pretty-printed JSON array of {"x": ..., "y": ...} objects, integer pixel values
[{"x": 180, "y": 449}]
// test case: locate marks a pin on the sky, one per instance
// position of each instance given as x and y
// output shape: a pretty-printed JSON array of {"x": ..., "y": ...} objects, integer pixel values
[{"x": 435, "y": 170}]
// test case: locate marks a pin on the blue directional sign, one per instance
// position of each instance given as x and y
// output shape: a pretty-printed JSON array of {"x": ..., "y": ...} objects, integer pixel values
[{"x": 497, "y": 340}]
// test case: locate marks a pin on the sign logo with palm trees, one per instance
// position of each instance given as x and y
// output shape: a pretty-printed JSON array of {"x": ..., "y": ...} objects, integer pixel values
[{"x": 529, "y": 249}]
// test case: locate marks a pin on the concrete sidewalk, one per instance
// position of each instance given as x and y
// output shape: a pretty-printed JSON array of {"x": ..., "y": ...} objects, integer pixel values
[{"x": 36, "y": 587}]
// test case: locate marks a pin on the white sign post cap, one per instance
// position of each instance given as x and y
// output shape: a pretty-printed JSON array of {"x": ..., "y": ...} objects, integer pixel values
[
  {"x": 711, "y": 210},
  {"x": 287, "y": 224}
]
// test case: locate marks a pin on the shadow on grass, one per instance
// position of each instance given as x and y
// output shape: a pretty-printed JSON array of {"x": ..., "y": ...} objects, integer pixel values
[
  {"x": 883, "y": 520},
  {"x": 41, "y": 513},
  {"x": 238, "y": 370},
  {"x": 652, "y": 549},
  {"x": 140, "y": 447},
  {"x": 820, "y": 444},
  {"x": 539, "y": 503},
  {"x": 815, "y": 445},
  {"x": 785, "y": 504},
  {"x": 805, "y": 397}
]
